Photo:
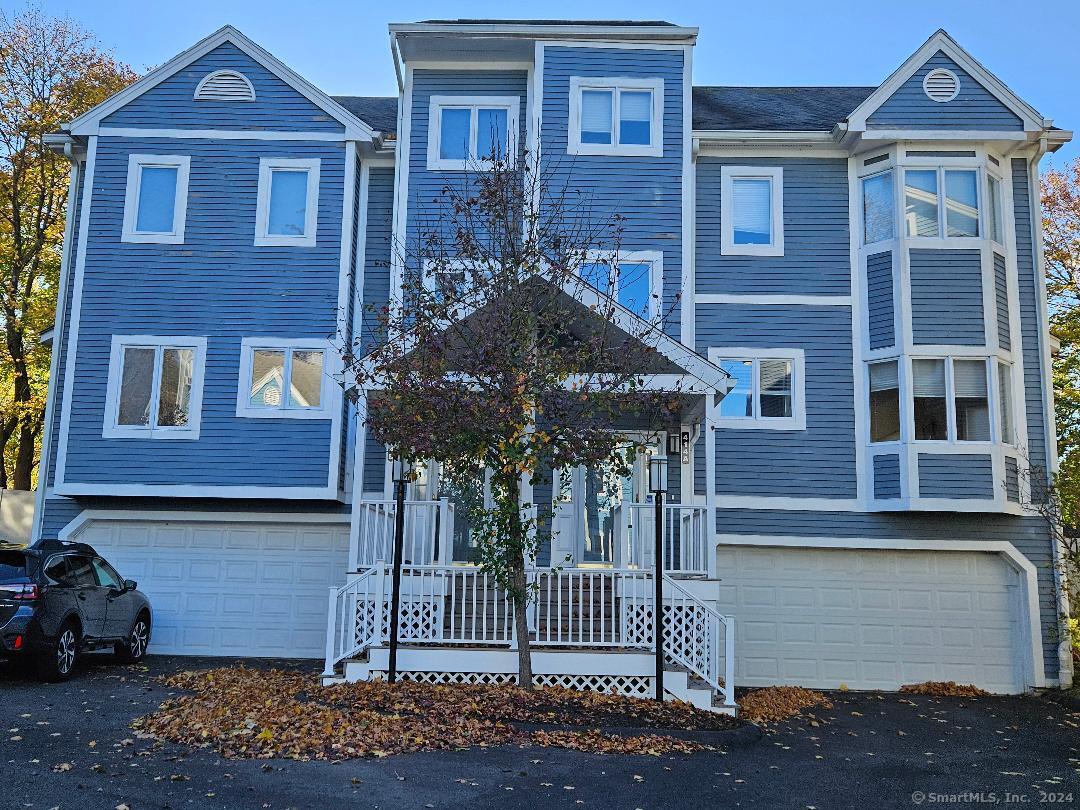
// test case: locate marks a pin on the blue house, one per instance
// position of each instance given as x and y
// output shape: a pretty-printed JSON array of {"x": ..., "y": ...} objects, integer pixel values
[{"x": 856, "y": 284}]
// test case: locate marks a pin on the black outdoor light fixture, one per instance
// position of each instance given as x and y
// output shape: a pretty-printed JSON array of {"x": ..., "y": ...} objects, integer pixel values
[
  {"x": 400, "y": 471},
  {"x": 658, "y": 486}
]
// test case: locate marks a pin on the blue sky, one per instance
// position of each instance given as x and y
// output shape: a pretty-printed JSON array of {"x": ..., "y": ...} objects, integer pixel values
[{"x": 343, "y": 47}]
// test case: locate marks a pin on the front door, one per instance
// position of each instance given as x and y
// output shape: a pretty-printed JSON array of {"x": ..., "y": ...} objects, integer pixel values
[{"x": 593, "y": 508}]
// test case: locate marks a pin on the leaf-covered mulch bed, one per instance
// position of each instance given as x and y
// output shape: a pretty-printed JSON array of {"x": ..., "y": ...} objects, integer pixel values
[
  {"x": 772, "y": 704},
  {"x": 944, "y": 689},
  {"x": 276, "y": 713}
]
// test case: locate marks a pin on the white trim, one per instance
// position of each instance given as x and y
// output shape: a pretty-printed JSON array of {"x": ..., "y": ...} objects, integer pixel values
[
  {"x": 526, "y": 30},
  {"x": 860, "y": 333},
  {"x": 72, "y": 357},
  {"x": 88, "y": 122},
  {"x": 775, "y": 176},
  {"x": 750, "y": 299},
  {"x": 72, "y": 530},
  {"x": 354, "y": 199},
  {"x": 329, "y": 401},
  {"x": 574, "y": 145},
  {"x": 235, "y": 74},
  {"x": 512, "y": 105},
  {"x": 797, "y": 420},
  {"x": 1035, "y": 672},
  {"x": 474, "y": 65},
  {"x": 74, "y": 188},
  {"x": 954, "y": 135},
  {"x": 267, "y": 166},
  {"x": 941, "y": 41},
  {"x": 220, "y": 134},
  {"x": 136, "y": 163},
  {"x": 687, "y": 292},
  {"x": 111, "y": 429},
  {"x": 402, "y": 159},
  {"x": 74, "y": 488},
  {"x": 653, "y": 258}
]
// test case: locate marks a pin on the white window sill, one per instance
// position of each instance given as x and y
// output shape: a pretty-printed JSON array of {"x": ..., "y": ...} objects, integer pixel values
[
  {"x": 946, "y": 242},
  {"x": 161, "y": 433},
  {"x": 285, "y": 241},
  {"x": 609, "y": 150},
  {"x": 138, "y": 237},
  {"x": 752, "y": 250},
  {"x": 283, "y": 413}
]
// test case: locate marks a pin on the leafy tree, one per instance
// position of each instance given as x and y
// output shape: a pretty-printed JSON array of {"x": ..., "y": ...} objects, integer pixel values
[
  {"x": 51, "y": 70},
  {"x": 490, "y": 360}
]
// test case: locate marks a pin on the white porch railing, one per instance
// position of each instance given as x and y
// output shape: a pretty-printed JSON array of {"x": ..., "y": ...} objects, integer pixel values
[
  {"x": 429, "y": 529},
  {"x": 583, "y": 608},
  {"x": 685, "y": 532}
]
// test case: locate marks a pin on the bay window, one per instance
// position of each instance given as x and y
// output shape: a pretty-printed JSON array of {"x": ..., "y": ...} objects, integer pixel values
[
  {"x": 941, "y": 202},
  {"x": 950, "y": 399},
  {"x": 878, "y": 208},
  {"x": 885, "y": 401}
]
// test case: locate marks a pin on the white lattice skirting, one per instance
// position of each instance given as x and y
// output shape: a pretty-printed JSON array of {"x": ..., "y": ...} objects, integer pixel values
[{"x": 629, "y": 685}]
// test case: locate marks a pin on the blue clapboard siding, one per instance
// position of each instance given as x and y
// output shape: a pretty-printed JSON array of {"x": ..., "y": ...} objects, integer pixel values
[
  {"x": 647, "y": 191},
  {"x": 816, "y": 462},
  {"x": 171, "y": 104},
  {"x": 1001, "y": 294},
  {"x": 378, "y": 252},
  {"x": 879, "y": 299},
  {"x": 974, "y": 107},
  {"x": 887, "y": 476},
  {"x": 1028, "y": 534},
  {"x": 1030, "y": 327},
  {"x": 1012, "y": 479},
  {"x": 216, "y": 285},
  {"x": 947, "y": 297},
  {"x": 948, "y": 475},
  {"x": 816, "y": 258},
  {"x": 427, "y": 202}
]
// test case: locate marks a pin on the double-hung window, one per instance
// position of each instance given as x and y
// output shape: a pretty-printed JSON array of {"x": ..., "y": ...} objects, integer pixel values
[
  {"x": 155, "y": 203},
  {"x": 751, "y": 211},
  {"x": 884, "y": 401},
  {"x": 287, "y": 379},
  {"x": 469, "y": 132},
  {"x": 951, "y": 399},
  {"x": 940, "y": 202},
  {"x": 994, "y": 209},
  {"x": 622, "y": 116},
  {"x": 633, "y": 278},
  {"x": 288, "y": 202},
  {"x": 769, "y": 388},
  {"x": 155, "y": 387}
]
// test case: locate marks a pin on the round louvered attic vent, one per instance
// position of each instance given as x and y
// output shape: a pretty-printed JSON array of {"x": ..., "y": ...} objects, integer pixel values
[
  {"x": 941, "y": 85},
  {"x": 225, "y": 85}
]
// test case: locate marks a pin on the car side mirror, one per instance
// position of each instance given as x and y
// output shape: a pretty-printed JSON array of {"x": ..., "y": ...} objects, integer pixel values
[{"x": 130, "y": 584}]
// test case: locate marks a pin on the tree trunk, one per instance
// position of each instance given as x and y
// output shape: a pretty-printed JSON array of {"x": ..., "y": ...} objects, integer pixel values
[
  {"x": 25, "y": 456},
  {"x": 519, "y": 586}
]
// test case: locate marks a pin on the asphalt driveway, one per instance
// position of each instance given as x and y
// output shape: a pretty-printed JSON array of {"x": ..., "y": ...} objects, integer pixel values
[{"x": 70, "y": 746}]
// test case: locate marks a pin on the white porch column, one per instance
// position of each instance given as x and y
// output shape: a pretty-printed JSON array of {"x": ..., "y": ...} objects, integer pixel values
[
  {"x": 709, "y": 433},
  {"x": 357, "y": 478}
]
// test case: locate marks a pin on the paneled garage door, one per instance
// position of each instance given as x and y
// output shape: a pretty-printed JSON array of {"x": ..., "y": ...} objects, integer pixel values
[
  {"x": 252, "y": 589},
  {"x": 873, "y": 619}
]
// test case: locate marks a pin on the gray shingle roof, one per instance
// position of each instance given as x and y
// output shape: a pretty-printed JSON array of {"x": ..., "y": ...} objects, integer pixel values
[
  {"x": 715, "y": 108},
  {"x": 466, "y": 21},
  {"x": 775, "y": 108}
]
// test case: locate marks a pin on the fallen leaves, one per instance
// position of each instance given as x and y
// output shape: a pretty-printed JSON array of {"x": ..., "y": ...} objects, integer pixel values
[
  {"x": 775, "y": 703},
  {"x": 944, "y": 689},
  {"x": 278, "y": 713}
]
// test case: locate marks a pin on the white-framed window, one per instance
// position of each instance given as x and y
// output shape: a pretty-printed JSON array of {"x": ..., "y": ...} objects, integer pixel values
[
  {"x": 621, "y": 116},
  {"x": 1006, "y": 419},
  {"x": 751, "y": 211},
  {"x": 287, "y": 213},
  {"x": 633, "y": 278},
  {"x": 769, "y": 391},
  {"x": 879, "y": 207},
  {"x": 283, "y": 378},
  {"x": 994, "y": 208},
  {"x": 941, "y": 202},
  {"x": 950, "y": 399},
  {"x": 155, "y": 202},
  {"x": 884, "y": 401},
  {"x": 464, "y": 132},
  {"x": 155, "y": 387}
]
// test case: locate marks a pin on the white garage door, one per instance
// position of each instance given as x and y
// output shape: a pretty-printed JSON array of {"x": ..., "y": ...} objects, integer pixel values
[
  {"x": 252, "y": 589},
  {"x": 872, "y": 619}
]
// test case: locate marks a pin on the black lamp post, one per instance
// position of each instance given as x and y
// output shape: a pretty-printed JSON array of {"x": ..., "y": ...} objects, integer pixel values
[
  {"x": 658, "y": 486},
  {"x": 401, "y": 477}
]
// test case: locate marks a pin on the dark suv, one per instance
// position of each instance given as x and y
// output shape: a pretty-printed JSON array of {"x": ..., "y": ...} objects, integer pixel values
[{"x": 58, "y": 600}]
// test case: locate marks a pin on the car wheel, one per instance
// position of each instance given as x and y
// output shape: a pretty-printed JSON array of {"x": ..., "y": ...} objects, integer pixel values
[
  {"x": 134, "y": 648},
  {"x": 57, "y": 661}
]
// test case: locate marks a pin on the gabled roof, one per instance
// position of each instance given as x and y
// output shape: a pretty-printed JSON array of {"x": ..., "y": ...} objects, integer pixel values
[
  {"x": 355, "y": 128},
  {"x": 378, "y": 112},
  {"x": 941, "y": 41}
]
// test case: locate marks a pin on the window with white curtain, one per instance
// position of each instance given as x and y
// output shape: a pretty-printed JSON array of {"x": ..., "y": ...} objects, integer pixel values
[
  {"x": 884, "y": 401},
  {"x": 751, "y": 211},
  {"x": 769, "y": 388},
  {"x": 622, "y": 116},
  {"x": 951, "y": 399}
]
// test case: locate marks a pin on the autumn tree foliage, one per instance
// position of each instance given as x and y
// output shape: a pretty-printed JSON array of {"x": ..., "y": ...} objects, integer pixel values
[
  {"x": 501, "y": 354},
  {"x": 51, "y": 70}
]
